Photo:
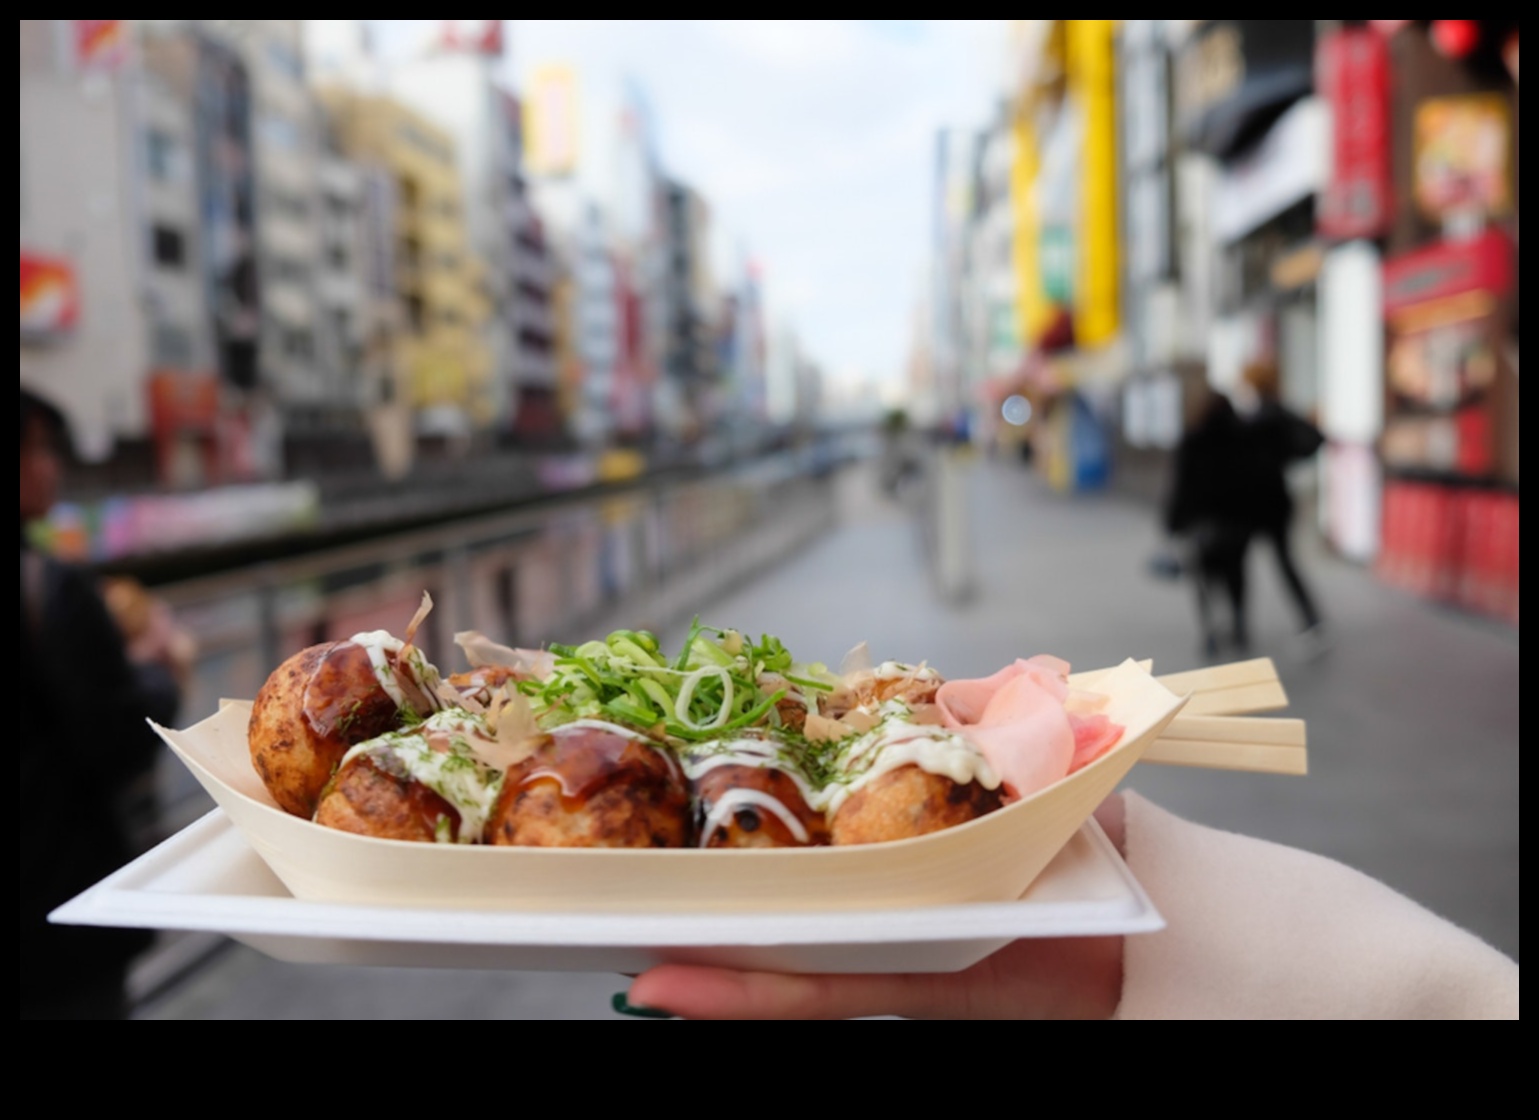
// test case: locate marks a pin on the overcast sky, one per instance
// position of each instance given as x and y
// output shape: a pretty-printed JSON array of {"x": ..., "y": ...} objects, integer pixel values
[{"x": 812, "y": 140}]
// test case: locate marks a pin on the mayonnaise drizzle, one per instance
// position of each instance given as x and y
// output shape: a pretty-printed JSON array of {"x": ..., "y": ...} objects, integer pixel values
[
  {"x": 612, "y": 728},
  {"x": 378, "y": 643},
  {"x": 897, "y": 742},
  {"x": 761, "y": 754},
  {"x": 438, "y": 754},
  {"x": 730, "y": 802}
]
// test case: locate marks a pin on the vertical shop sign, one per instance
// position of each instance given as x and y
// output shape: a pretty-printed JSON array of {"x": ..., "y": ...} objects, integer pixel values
[
  {"x": 1092, "y": 81},
  {"x": 1352, "y": 69},
  {"x": 551, "y": 121}
]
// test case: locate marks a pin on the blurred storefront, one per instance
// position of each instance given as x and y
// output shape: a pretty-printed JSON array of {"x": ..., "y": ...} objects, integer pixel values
[
  {"x": 1245, "y": 98},
  {"x": 1340, "y": 198},
  {"x": 1067, "y": 233},
  {"x": 1166, "y": 264},
  {"x": 1449, "y": 448}
]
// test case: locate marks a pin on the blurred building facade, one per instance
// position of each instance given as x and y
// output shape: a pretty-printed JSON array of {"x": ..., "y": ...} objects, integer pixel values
[
  {"x": 440, "y": 350},
  {"x": 1187, "y": 197},
  {"x": 685, "y": 319},
  {"x": 268, "y": 251},
  {"x": 85, "y": 245},
  {"x": 456, "y": 83}
]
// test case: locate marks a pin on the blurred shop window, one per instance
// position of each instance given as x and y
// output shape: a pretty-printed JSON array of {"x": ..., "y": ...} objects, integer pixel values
[
  {"x": 299, "y": 345},
  {"x": 288, "y": 270},
  {"x": 285, "y": 60},
  {"x": 164, "y": 157},
  {"x": 279, "y": 131},
  {"x": 169, "y": 246},
  {"x": 289, "y": 205},
  {"x": 172, "y": 346}
]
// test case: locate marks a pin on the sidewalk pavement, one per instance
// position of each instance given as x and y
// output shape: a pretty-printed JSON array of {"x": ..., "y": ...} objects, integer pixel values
[{"x": 1413, "y": 718}]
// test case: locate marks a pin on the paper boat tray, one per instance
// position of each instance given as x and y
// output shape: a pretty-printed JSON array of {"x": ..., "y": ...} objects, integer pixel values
[{"x": 992, "y": 859}]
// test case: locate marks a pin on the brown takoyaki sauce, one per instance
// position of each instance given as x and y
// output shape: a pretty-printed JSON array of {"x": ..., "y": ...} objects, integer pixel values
[
  {"x": 591, "y": 787},
  {"x": 586, "y": 760},
  {"x": 344, "y": 701}
]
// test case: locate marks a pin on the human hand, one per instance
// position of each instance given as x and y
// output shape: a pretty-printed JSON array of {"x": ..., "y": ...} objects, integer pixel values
[
  {"x": 1052, "y": 978},
  {"x": 161, "y": 641}
]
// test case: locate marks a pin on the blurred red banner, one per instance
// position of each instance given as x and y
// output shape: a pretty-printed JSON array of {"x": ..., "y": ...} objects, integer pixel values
[{"x": 1352, "y": 72}]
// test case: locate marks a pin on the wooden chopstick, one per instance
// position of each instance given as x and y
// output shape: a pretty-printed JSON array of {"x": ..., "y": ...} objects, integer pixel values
[
  {"x": 1239, "y": 688},
  {"x": 1264, "y": 746}
]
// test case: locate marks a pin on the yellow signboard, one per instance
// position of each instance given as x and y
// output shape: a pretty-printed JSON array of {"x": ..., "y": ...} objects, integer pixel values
[{"x": 551, "y": 121}]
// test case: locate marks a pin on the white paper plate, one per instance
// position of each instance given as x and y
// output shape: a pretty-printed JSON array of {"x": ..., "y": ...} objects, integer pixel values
[{"x": 207, "y": 878}]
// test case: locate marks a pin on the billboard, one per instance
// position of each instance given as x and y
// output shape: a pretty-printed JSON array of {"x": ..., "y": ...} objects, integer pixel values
[
  {"x": 50, "y": 297},
  {"x": 551, "y": 120},
  {"x": 1464, "y": 155},
  {"x": 101, "y": 45}
]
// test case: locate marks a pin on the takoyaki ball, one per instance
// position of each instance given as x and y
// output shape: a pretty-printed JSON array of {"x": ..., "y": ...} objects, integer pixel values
[
  {"x": 908, "y": 801},
  {"x": 313, "y": 708},
  {"x": 754, "y": 807},
  {"x": 366, "y": 797},
  {"x": 591, "y": 788}
]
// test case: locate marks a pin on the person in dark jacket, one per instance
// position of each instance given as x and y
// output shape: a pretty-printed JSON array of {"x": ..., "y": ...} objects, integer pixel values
[
  {"x": 1209, "y": 507},
  {"x": 84, "y": 742},
  {"x": 1277, "y": 439}
]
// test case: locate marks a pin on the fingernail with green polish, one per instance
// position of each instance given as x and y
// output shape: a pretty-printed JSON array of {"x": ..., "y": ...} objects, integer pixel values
[{"x": 625, "y": 1007}]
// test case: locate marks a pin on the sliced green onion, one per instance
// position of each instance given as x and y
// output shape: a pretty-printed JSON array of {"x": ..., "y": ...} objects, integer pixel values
[
  {"x": 821, "y": 686},
  {"x": 681, "y": 706},
  {"x": 656, "y": 693},
  {"x": 628, "y": 649}
]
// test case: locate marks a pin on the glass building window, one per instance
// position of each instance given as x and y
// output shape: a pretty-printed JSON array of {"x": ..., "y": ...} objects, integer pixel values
[{"x": 168, "y": 246}]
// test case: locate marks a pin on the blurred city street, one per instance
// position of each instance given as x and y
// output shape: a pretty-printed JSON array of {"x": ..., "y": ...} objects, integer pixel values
[
  {"x": 968, "y": 339},
  {"x": 1413, "y": 720}
]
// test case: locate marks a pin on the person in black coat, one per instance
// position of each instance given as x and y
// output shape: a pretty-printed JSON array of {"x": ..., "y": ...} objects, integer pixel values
[
  {"x": 1277, "y": 439},
  {"x": 1209, "y": 506},
  {"x": 84, "y": 743}
]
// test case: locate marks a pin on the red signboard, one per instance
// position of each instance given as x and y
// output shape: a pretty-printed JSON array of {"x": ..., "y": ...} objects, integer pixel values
[
  {"x": 1352, "y": 70},
  {"x": 1448, "y": 268},
  {"x": 100, "y": 44},
  {"x": 50, "y": 296},
  {"x": 183, "y": 402},
  {"x": 474, "y": 36}
]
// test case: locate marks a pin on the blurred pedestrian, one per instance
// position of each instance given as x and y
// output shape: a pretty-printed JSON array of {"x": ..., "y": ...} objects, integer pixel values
[
  {"x": 1277, "y": 439},
  {"x": 84, "y": 744},
  {"x": 899, "y": 466},
  {"x": 1208, "y": 508}
]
